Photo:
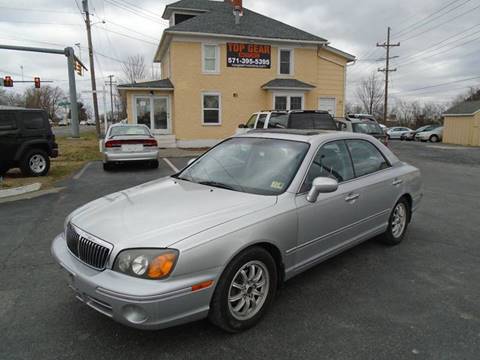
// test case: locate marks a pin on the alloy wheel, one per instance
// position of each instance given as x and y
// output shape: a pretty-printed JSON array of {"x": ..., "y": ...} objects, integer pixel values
[
  {"x": 37, "y": 163},
  {"x": 399, "y": 220}
]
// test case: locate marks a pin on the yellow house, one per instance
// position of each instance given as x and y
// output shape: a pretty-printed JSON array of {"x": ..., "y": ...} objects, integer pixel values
[
  {"x": 462, "y": 124},
  {"x": 219, "y": 66}
]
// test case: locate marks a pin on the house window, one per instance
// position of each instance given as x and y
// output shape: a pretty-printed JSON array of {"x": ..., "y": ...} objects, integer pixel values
[
  {"x": 288, "y": 102},
  {"x": 210, "y": 59},
  {"x": 211, "y": 109},
  {"x": 285, "y": 62},
  {"x": 280, "y": 103}
]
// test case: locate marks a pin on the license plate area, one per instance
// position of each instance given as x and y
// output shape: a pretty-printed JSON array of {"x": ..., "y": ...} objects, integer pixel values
[{"x": 132, "y": 147}]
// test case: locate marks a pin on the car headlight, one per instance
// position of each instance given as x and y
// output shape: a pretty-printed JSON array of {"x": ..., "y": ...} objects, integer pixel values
[{"x": 151, "y": 264}]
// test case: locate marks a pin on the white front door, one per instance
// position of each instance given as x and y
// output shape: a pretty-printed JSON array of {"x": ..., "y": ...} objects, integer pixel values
[
  {"x": 153, "y": 111},
  {"x": 328, "y": 104}
]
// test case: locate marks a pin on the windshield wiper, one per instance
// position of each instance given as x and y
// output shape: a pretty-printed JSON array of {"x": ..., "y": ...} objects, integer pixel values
[{"x": 217, "y": 184}]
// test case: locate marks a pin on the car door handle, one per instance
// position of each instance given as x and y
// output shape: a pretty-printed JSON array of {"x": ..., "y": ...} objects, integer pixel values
[
  {"x": 352, "y": 197},
  {"x": 397, "y": 182}
]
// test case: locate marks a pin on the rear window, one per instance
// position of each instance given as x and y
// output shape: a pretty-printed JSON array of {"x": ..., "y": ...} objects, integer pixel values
[
  {"x": 33, "y": 121},
  {"x": 7, "y": 121},
  {"x": 316, "y": 121},
  {"x": 367, "y": 128},
  {"x": 129, "y": 131},
  {"x": 278, "y": 121}
]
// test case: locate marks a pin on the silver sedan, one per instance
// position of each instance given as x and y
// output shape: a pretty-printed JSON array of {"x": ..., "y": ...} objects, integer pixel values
[
  {"x": 127, "y": 143},
  {"x": 218, "y": 238}
]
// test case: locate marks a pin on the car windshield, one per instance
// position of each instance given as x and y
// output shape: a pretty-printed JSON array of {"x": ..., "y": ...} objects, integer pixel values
[
  {"x": 367, "y": 128},
  {"x": 129, "y": 131},
  {"x": 252, "y": 165}
]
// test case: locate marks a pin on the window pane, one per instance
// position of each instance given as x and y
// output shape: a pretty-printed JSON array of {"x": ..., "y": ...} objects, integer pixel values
[
  {"x": 251, "y": 121},
  {"x": 143, "y": 111},
  {"x": 285, "y": 68},
  {"x": 210, "y": 51},
  {"x": 285, "y": 62},
  {"x": 211, "y": 102},
  {"x": 211, "y": 116},
  {"x": 332, "y": 160},
  {"x": 210, "y": 65},
  {"x": 295, "y": 103},
  {"x": 33, "y": 121},
  {"x": 160, "y": 114},
  {"x": 278, "y": 121},
  {"x": 261, "y": 121},
  {"x": 366, "y": 157},
  {"x": 280, "y": 103},
  {"x": 7, "y": 122}
]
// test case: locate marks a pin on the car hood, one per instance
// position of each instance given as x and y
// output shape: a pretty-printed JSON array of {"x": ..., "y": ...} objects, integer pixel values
[{"x": 162, "y": 212}]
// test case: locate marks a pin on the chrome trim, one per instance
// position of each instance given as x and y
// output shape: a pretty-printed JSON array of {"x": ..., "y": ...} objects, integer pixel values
[{"x": 311, "y": 242}]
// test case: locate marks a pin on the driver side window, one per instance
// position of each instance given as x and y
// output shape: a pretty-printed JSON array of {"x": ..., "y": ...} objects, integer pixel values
[{"x": 332, "y": 160}]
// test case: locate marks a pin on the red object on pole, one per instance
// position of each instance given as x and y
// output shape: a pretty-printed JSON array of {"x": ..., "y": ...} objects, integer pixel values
[
  {"x": 36, "y": 80},
  {"x": 237, "y": 5},
  {"x": 8, "y": 81}
]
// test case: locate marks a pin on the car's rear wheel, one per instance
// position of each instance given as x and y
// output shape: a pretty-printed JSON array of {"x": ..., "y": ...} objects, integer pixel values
[
  {"x": 107, "y": 166},
  {"x": 245, "y": 290},
  {"x": 398, "y": 223},
  {"x": 35, "y": 163},
  {"x": 434, "y": 138},
  {"x": 154, "y": 164}
]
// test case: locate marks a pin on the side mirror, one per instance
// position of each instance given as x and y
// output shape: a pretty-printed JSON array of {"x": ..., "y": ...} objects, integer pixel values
[
  {"x": 242, "y": 126},
  {"x": 321, "y": 185},
  {"x": 191, "y": 161}
]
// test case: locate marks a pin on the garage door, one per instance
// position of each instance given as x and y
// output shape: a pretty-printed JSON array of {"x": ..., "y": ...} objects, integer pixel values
[{"x": 327, "y": 104}]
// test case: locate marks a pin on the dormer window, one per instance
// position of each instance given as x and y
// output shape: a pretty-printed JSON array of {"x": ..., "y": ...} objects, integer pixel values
[{"x": 179, "y": 18}]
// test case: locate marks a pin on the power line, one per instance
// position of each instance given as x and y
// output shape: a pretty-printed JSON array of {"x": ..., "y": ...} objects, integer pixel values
[
  {"x": 422, "y": 23},
  {"x": 131, "y": 37},
  {"x": 439, "y": 85},
  {"x": 125, "y": 8},
  {"x": 36, "y": 10},
  {"x": 130, "y": 29}
]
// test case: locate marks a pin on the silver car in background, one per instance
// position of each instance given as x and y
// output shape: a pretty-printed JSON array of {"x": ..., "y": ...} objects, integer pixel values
[
  {"x": 127, "y": 143},
  {"x": 217, "y": 239}
]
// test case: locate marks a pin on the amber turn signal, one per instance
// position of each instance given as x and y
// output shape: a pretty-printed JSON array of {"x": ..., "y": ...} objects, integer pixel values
[
  {"x": 161, "y": 266},
  {"x": 202, "y": 285}
]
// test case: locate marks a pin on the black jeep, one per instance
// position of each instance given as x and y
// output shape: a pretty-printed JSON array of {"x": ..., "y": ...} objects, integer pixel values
[{"x": 26, "y": 141}]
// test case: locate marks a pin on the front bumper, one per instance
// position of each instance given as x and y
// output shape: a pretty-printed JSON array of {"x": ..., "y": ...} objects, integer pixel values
[
  {"x": 143, "y": 304},
  {"x": 121, "y": 156}
]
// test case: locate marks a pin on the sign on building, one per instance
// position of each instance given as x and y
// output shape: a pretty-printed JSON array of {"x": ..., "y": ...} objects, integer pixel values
[{"x": 249, "y": 55}]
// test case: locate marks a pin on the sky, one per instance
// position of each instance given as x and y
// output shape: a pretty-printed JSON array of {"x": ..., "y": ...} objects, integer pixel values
[{"x": 438, "y": 56}]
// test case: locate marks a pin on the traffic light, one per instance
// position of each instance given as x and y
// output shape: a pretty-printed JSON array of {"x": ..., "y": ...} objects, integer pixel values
[
  {"x": 36, "y": 80},
  {"x": 8, "y": 81},
  {"x": 78, "y": 68}
]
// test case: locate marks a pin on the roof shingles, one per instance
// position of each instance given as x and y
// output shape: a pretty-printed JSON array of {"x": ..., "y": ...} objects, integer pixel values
[
  {"x": 465, "y": 108},
  {"x": 165, "y": 84}
]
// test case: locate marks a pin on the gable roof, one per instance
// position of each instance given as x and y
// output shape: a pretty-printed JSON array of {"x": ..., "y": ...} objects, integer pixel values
[
  {"x": 165, "y": 84},
  {"x": 216, "y": 17},
  {"x": 465, "y": 108}
]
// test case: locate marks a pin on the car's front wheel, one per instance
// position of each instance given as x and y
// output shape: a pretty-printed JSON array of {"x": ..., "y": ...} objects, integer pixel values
[
  {"x": 245, "y": 290},
  {"x": 398, "y": 223},
  {"x": 35, "y": 163},
  {"x": 434, "y": 138}
]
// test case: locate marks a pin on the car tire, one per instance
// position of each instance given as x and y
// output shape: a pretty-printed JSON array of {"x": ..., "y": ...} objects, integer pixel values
[
  {"x": 3, "y": 169},
  {"x": 35, "y": 163},
  {"x": 154, "y": 164},
  {"x": 434, "y": 138},
  {"x": 226, "y": 309},
  {"x": 107, "y": 166},
  {"x": 397, "y": 223}
]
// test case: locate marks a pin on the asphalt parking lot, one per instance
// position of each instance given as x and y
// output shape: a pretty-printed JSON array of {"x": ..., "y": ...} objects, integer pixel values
[{"x": 420, "y": 300}]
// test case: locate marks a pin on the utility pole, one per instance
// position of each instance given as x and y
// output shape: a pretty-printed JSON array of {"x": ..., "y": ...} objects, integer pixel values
[
  {"x": 110, "y": 83},
  {"x": 387, "y": 45},
  {"x": 92, "y": 67}
]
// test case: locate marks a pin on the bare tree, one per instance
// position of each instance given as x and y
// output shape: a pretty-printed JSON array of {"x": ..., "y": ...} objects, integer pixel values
[
  {"x": 46, "y": 98},
  {"x": 370, "y": 93},
  {"x": 134, "y": 69}
]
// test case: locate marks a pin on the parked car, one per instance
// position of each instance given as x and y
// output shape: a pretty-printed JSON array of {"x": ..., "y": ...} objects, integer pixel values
[
  {"x": 297, "y": 119},
  {"x": 64, "y": 122},
  {"x": 90, "y": 122},
  {"x": 217, "y": 239},
  {"x": 83, "y": 123},
  {"x": 26, "y": 141},
  {"x": 127, "y": 143},
  {"x": 397, "y": 132},
  {"x": 434, "y": 135},
  {"x": 410, "y": 136},
  {"x": 364, "y": 126}
]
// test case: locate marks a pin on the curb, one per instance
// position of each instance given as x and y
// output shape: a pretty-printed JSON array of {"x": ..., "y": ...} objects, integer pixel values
[{"x": 20, "y": 190}]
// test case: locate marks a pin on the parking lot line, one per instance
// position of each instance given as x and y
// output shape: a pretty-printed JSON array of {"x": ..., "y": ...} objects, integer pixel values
[
  {"x": 81, "y": 172},
  {"x": 169, "y": 163}
]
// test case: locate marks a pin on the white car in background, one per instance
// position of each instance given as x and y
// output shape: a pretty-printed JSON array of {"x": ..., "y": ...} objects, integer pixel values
[
  {"x": 397, "y": 132},
  {"x": 433, "y": 136}
]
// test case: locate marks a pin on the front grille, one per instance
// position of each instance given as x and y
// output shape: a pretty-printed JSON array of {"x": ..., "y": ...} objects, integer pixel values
[{"x": 91, "y": 253}]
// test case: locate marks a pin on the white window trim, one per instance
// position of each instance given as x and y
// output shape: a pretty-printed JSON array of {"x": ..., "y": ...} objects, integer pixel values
[
  {"x": 328, "y": 97},
  {"x": 289, "y": 95},
  {"x": 212, "y": 93},
  {"x": 168, "y": 130},
  {"x": 217, "y": 58},
  {"x": 292, "y": 62}
]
